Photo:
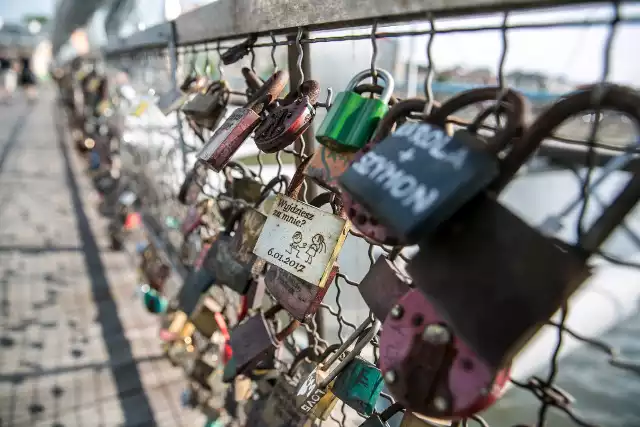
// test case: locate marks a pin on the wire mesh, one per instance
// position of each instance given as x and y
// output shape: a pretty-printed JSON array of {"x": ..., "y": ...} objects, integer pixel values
[{"x": 156, "y": 160}]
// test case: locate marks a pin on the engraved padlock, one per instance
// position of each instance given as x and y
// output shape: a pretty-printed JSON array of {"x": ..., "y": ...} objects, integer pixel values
[
  {"x": 320, "y": 382},
  {"x": 281, "y": 409},
  {"x": 301, "y": 239},
  {"x": 299, "y": 297},
  {"x": 352, "y": 119},
  {"x": 422, "y": 171},
  {"x": 290, "y": 119},
  {"x": 382, "y": 286},
  {"x": 226, "y": 140},
  {"x": 327, "y": 165},
  {"x": 430, "y": 370},
  {"x": 255, "y": 337},
  {"x": 517, "y": 297}
]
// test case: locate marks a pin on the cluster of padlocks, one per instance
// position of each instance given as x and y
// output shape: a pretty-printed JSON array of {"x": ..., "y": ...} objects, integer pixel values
[{"x": 399, "y": 172}]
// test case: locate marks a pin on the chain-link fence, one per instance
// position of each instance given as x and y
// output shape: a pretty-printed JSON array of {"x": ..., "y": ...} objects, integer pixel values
[{"x": 158, "y": 151}]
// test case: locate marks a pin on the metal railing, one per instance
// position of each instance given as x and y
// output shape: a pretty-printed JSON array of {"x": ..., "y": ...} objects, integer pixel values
[{"x": 285, "y": 31}]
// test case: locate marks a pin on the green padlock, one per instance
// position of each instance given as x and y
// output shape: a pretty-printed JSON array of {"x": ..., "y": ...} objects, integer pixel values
[
  {"x": 359, "y": 386},
  {"x": 353, "y": 118}
]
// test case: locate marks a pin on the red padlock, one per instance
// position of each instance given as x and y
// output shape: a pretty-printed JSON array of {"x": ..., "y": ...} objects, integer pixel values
[{"x": 430, "y": 370}]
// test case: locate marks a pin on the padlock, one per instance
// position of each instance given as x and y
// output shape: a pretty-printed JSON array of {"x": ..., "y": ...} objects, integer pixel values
[
  {"x": 230, "y": 267},
  {"x": 204, "y": 316},
  {"x": 174, "y": 325},
  {"x": 300, "y": 298},
  {"x": 246, "y": 187},
  {"x": 517, "y": 297},
  {"x": 226, "y": 140},
  {"x": 408, "y": 183},
  {"x": 173, "y": 99},
  {"x": 316, "y": 385},
  {"x": 208, "y": 107},
  {"x": 286, "y": 122},
  {"x": 195, "y": 215},
  {"x": 200, "y": 372},
  {"x": 359, "y": 386},
  {"x": 302, "y": 239},
  {"x": 252, "y": 221},
  {"x": 382, "y": 286},
  {"x": 327, "y": 165},
  {"x": 430, "y": 370},
  {"x": 255, "y": 337},
  {"x": 352, "y": 119},
  {"x": 190, "y": 188},
  {"x": 152, "y": 300},
  {"x": 280, "y": 409},
  {"x": 197, "y": 282},
  {"x": 181, "y": 351},
  {"x": 380, "y": 420}
]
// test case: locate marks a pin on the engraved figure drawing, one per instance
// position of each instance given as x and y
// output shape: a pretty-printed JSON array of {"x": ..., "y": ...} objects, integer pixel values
[
  {"x": 295, "y": 245},
  {"x": 317, "y": 245}
]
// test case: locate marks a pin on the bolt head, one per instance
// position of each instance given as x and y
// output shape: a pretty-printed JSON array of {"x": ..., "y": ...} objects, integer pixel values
[
  {"x": 390, "y": 377},
  {"x": 436, "y": 334},
  {"x": 397, "y": 311}
]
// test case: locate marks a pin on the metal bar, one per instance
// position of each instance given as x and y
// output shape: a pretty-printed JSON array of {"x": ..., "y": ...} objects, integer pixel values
[
  {"x": 227, "y": 19},
  {"x": 309, "y": 135},
  {"x": 173, "y": 64},
  {"x": 563, "y": 154},
  {"x": 156, "y": 37}
]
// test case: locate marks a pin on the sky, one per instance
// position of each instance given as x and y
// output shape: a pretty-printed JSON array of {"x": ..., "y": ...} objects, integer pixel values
[{"x": 13, "y": 10}]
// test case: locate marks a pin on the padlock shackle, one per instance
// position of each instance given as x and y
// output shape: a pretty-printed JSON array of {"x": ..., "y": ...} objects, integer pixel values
[
  {"x": 613, "y": 97},
  {"x": 362, "y": 341},
  {"x": 297, "y": 179},
  {"x": 269, "y": 92},
  {"x": 380, "y": 73},
  {"x": 329, "y": 198},
  {"x": 377, "y": 89},
  {"x": 233, "y": 220},
  {"x": 288, "y": 330},
  {"x": 390, "y": 411},
  {"x": 517, "y": 109},
  {"x": 270, "y": 186}
]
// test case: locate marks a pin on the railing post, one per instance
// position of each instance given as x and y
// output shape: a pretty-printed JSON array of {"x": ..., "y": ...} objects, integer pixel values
[
  {"x": 309, "y": 135},
  {"x": 173, "y": 64}
]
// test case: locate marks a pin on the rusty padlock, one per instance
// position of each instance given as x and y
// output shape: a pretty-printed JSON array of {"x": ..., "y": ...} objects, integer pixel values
[
  {"x": 299, "y": 297},
  {"x": 236, "y": 129},
  {"x": 430, "y": 370},
  {"x": 326, "y": 164},
  {"x": 382, "y": 286},
  {"x": 517, "y": 296},
  {"x": 286, "y": 122},
  {"x": 392, "y": 167},
  {"x": 255, "y": 337}
]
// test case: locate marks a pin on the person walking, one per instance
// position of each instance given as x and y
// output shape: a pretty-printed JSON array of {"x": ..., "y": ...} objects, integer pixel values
[
  {"x": 28, "y": 79},
  {"x": 8, "y": 77}
]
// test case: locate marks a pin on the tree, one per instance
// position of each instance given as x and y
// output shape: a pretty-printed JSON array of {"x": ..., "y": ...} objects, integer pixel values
[{"x": 42, "y": 19}]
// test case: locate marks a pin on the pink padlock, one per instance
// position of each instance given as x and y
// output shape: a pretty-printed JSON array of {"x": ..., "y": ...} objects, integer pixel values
[{"x": 428, "y": 369}]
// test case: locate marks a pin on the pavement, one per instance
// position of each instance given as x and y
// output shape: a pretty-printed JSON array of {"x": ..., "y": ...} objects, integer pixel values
[{"x": 75, "y": 348}]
